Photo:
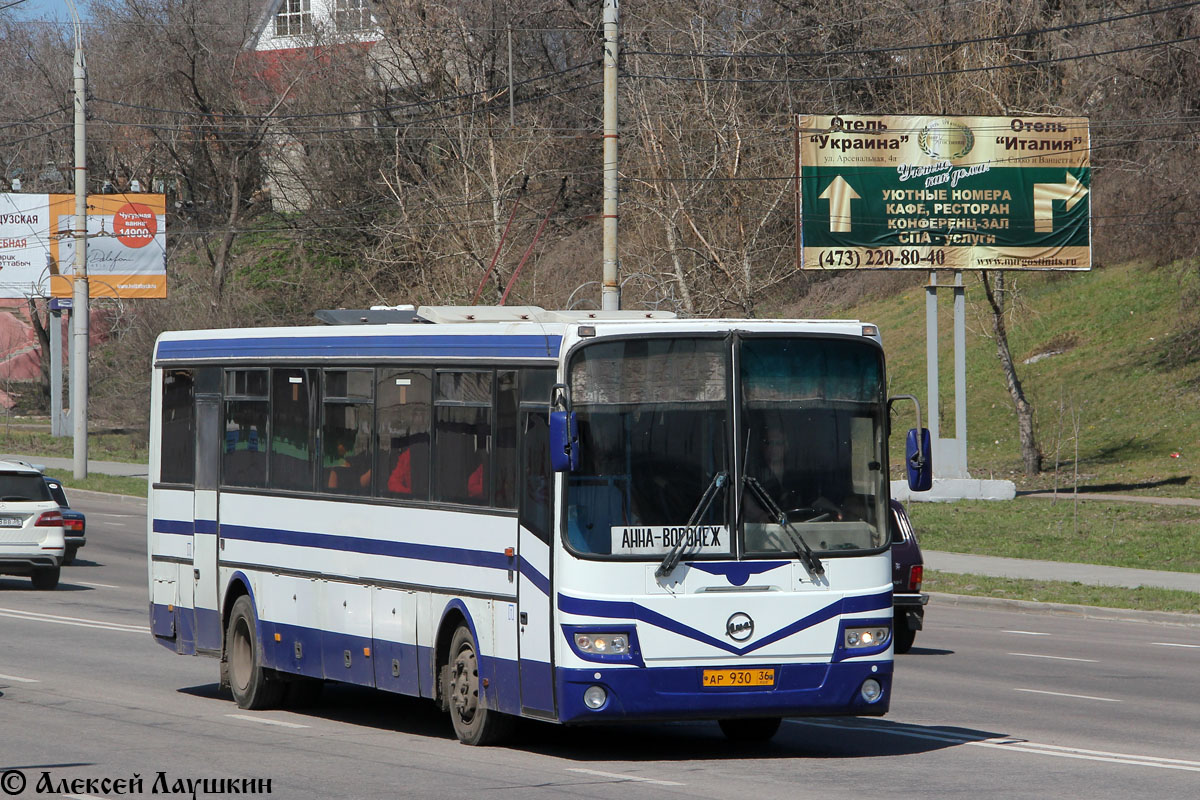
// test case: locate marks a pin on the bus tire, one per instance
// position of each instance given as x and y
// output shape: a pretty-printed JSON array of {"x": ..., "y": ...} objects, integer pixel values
[
  {"x": 756, "y": 729},
  {"x": 474, "y": 723},
  {"x": 253, "y": 686},
  {"x": 44, "y": 578}
]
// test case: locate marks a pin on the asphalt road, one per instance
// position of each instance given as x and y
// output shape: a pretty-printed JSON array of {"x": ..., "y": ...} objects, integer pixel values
[{"x": 990, "y": 703}]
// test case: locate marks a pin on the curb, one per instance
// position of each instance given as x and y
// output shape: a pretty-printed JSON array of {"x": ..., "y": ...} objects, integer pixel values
[
  {"x": 123, "y": 498},
  {"x": 1065, "y": 609}
]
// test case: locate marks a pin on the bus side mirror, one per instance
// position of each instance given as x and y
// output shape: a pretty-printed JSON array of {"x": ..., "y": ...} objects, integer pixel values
[
  {"x": 917, "y": 456},
  {"x": 918, "y": 460},
  {"x": 564, "y": 441}
]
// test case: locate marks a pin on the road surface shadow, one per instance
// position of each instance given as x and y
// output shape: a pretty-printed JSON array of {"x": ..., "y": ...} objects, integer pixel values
[
  {"x": 19, "y": 584},
  {"x": 817, "y": 737},
  {"x": 927, "y": 651}
]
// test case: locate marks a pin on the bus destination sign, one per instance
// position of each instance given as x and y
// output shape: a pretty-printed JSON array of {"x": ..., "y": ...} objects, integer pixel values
[{"x": 656, "y": 539}]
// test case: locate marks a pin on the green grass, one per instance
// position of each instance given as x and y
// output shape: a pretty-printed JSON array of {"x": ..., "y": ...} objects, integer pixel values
[
  {"x": 1114, "y": 392},
  {"x": 36, "y": 441},
  {"x": 1139, "y": 535},
  {"x": 95, "y": 482},
  {"x": 1141, "y": 599}
]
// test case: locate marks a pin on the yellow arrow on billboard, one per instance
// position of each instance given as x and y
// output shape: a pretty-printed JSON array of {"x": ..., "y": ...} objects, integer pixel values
[
  {"x": 1044, "y": 195},
  {"x": 839, "y": 194}
]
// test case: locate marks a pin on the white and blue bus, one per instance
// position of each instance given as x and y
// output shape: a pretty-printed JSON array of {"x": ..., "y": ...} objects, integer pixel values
[{"x": 578, "y": 517}]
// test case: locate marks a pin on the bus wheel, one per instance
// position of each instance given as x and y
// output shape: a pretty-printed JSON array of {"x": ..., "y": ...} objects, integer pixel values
[
  {"x": 759, "y": 729},
  {"x": 253, "y": 686},
  {"x": 474, "y": 722}
]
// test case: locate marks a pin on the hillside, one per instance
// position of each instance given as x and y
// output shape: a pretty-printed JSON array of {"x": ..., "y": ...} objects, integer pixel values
[{"x": 1106, "y": 380}]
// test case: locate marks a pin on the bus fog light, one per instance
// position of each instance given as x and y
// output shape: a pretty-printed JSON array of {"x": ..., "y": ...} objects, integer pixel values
[
  {"x": 866, "y": 637},
  {"x": 595, "y": 697},
  {"x": 871, "y": 690}
]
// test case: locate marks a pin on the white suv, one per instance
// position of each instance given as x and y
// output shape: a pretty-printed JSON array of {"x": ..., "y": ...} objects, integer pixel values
[{"x": 31, "y": 526}]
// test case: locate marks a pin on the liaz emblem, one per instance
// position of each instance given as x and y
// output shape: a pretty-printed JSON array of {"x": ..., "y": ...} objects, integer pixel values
[{"x": 739, "y": 627}]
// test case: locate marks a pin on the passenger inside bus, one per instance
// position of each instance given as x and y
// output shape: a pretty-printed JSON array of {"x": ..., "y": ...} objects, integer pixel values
[{"x": 350, "y": 470}]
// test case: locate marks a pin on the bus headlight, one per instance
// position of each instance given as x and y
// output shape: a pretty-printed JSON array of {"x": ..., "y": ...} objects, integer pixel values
[
  {"x": 602, "y": 644},
  {"x": 865, "y": 637},
  {"x": 871, "y": 690}
]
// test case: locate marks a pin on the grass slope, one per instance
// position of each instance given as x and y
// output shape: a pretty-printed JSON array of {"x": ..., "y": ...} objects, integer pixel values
[{"x": 1113, "y": 391}]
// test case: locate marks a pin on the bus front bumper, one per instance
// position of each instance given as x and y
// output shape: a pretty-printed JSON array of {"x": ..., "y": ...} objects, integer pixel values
[{"x": 671, "y": 693}]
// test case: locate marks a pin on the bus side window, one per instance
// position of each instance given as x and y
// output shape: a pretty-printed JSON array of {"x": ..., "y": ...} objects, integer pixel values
[
  {"x": 292, "y": 441},
  {"x": 506, "y": 459},
  {"x": 403, "y": 400},
  {"x": 536, "y": 477},
  {"x": 244, "y": 462},
  {"x": 463, "y": 437},
  {"x": 178, "y": 443},
  {"x": 346, "y": 464}
]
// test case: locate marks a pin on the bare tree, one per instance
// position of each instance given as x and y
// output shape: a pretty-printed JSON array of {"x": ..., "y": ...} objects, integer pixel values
[{"x": 1031, "y": 454}]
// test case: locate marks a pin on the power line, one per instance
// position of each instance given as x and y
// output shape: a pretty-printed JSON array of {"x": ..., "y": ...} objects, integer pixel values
[
  {"x": 488, "y": 108},
  {"x": 928, "y": 46},
  {"x": 352, "y": 112},
  {"x": 904, "y": 75}
]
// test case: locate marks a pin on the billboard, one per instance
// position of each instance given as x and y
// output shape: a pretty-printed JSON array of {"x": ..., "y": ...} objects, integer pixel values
[
  {"x": 126, "y": 245},
  {"x": 936, "y": 192}
]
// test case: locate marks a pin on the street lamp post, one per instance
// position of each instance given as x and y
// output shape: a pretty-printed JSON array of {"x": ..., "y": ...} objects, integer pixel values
[{"x": 79, "y": 312}]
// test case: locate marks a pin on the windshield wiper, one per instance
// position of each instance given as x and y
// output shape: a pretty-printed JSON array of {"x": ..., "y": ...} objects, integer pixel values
[
  {"x": 805, "y": 552},
  {"x": 671, "y": 560}
]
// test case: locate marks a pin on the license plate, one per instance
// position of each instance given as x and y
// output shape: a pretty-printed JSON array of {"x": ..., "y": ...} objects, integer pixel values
[
  {"x": 10, "y": 522},
  {"x": 721, "y": 678}
]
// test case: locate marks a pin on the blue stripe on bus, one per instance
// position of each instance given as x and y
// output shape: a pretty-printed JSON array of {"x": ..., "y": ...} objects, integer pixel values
[
  {"x": 353, "y": 544},
  {"x": 184, "y": 527},
  {"x": 373, "y": 547},
  {"x": 621, "y": 609},
  {"x": 532, "y": 575},
  {"x": 432, "y": 346}
]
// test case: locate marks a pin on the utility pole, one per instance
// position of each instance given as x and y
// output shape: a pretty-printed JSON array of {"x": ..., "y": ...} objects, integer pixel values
[
  {"x": 79, "y": 312},
  {"x": 610, "y": 290}
]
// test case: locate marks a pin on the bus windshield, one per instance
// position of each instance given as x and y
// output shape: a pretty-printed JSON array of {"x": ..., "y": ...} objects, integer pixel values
[
  {"x": 661, "y": 462},
  {"x": 653, "y": 429},
  {"x": 813, "y": 438}
]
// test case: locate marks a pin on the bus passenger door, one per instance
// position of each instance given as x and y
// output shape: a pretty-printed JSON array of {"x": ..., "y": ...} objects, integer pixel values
[
  {"x": 534, "y": 596},
  {"x": 206, "y": 608}
]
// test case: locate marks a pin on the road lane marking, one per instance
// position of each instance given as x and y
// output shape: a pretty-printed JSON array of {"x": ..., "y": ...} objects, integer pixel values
[
  {"x": 265, "y": 721},
  {"x": 33, "y": 616},
  {"x": 1064, "y": 694},
  {"x": 1027, "y": 633},
  {"x": 1056, "y": 658},
  {"x": 1011, "y": 744},
  {"x": 97, "y": 585},
  {"x": 1176, "y": 644},
  {"x": 622, "y": 777},
  {"x": 18, "y": 680}
]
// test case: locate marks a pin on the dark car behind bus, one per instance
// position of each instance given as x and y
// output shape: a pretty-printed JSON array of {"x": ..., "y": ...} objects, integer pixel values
[{"x": 908, "y": 570}]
